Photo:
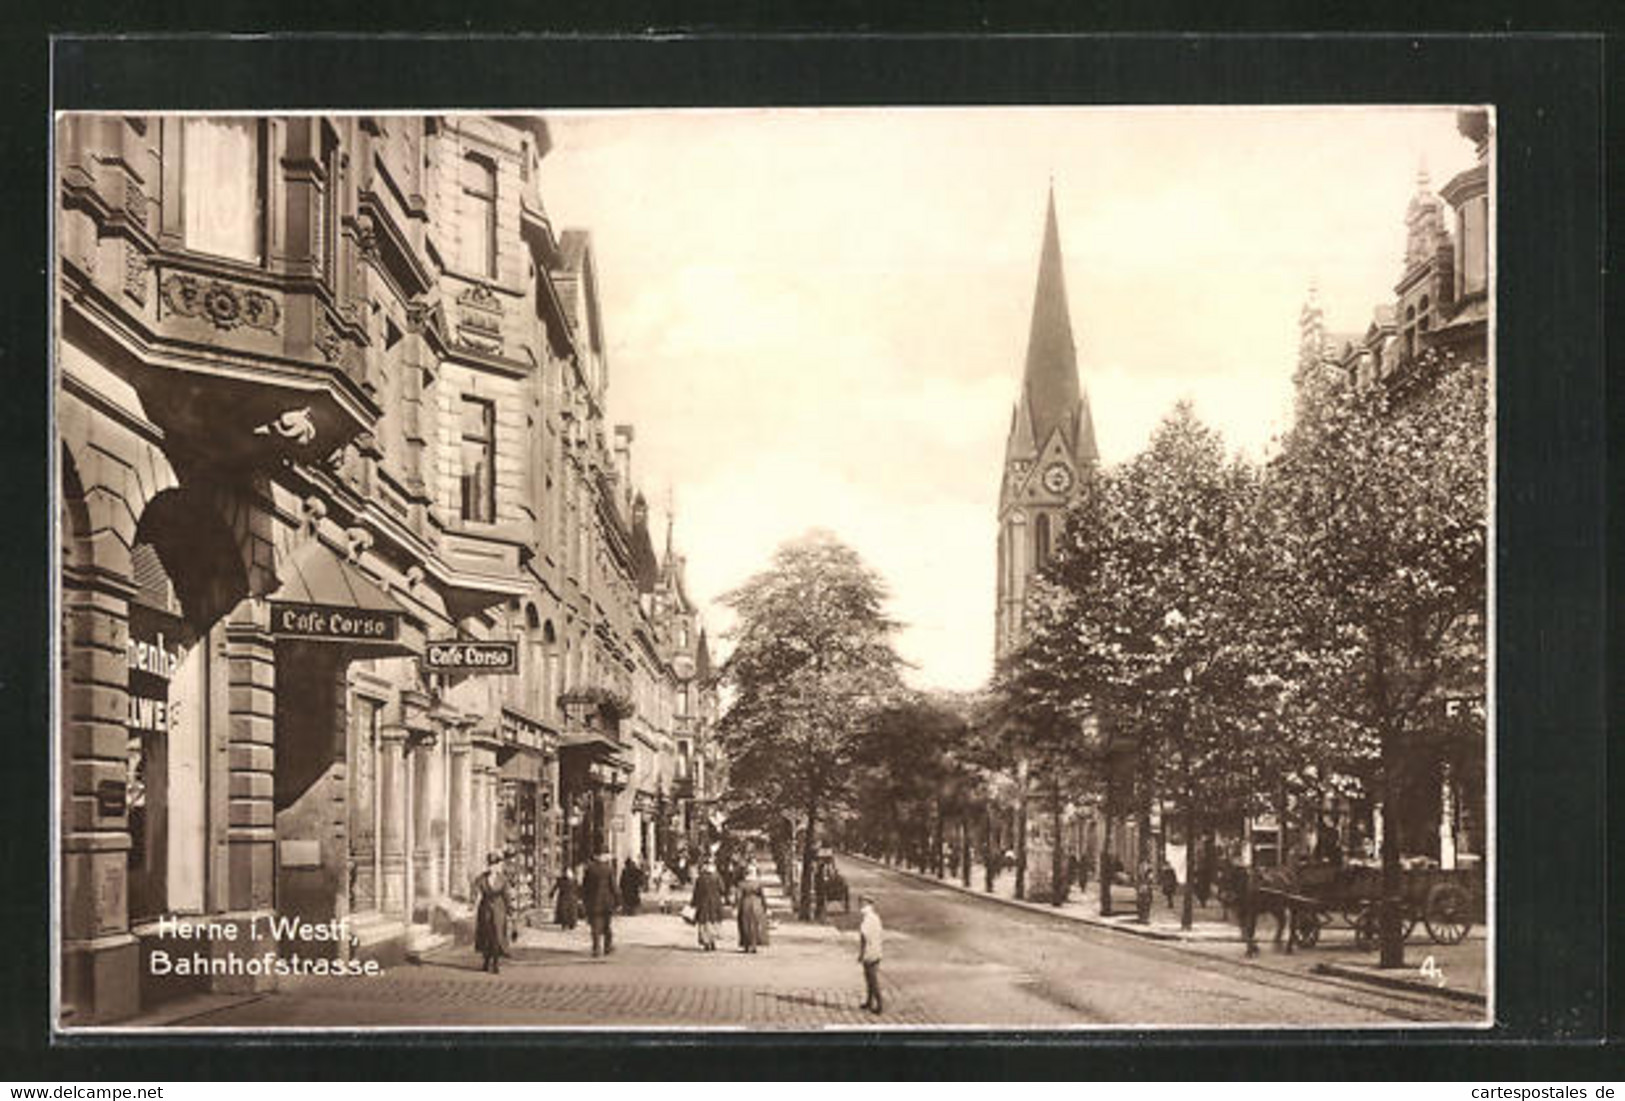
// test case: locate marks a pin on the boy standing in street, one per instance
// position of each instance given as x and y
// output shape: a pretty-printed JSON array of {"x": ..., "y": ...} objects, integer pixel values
[{"x": 870, "y": 937}]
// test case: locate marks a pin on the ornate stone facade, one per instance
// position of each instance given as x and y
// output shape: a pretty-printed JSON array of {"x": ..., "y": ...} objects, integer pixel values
[{"x": 329, "y": 407}]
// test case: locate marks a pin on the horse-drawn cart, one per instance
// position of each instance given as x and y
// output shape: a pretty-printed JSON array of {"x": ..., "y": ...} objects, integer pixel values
[{"x": 1444, "y": 902}]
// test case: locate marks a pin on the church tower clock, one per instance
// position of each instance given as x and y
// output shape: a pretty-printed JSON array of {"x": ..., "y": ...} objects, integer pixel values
[{"x": 1050, "y": 445}]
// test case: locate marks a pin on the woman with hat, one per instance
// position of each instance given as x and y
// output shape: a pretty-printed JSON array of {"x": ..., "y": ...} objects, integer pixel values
[
  {"x": 752, "y": 911},
  {"x": 707, "y": 903},
  {"x": 491, "y": 913}
]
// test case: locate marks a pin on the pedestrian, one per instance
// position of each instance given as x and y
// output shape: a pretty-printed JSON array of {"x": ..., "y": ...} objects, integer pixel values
[
  {"x": 1144, "y": 891},
  {"x": 1168, "y": 880},
  {"x": 566, "y": 899},
  {"x": 707, "y": 903},
  {"x": 631, "y": 887},
  {"x": 1202, "y": 879},
  {"x": 601, "y": 900},
  {"x": 871, "y": 934},
  {"x": 820, "y": 887},
  {"x": 659, "y": 881},
  {"x": 752, "y": 912},
  {"x": 491, "y": 913}
]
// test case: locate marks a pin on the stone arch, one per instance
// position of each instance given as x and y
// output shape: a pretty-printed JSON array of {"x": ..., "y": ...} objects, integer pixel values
[
  {"x": 73, "y": 531},
  {"x": 199, "y": 551}
]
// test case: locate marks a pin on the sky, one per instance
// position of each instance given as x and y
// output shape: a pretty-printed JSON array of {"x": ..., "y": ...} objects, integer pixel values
[{"x": 818, "y": 318}]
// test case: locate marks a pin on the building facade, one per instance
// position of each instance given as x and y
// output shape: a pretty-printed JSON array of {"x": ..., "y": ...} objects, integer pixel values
[
  {"x": 1438, "y": 321},
  {"x": 355, "y": 584}
]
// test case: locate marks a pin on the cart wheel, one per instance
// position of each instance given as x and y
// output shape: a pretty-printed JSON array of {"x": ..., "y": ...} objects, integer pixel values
[
  {"x": 1305, "y": 928},
  {"x": 1406, "y": 924},
  {"x": 1352, "y": 916},
  {"x": 1448, "y": 914}
]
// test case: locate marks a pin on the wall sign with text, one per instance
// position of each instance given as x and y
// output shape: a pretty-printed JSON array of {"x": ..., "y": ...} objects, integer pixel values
[
  {"x": 318, "y": 621},
  {"x": 472, "y": 657}
]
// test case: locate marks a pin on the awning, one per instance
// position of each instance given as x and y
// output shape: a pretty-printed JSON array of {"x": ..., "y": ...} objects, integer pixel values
[
  {"x": 521, "y": 764},
  {"x": 589, "y": 739},
  {"x": 325, "y": 599}
]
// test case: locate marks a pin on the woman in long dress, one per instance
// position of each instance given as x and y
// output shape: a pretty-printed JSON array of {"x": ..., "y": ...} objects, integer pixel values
[
  {"x": 567, "y": 900},
  {"x": 707, "y": 903},
  {"x": 491, "y": 913},
  {"x": 752, "y": 912}
]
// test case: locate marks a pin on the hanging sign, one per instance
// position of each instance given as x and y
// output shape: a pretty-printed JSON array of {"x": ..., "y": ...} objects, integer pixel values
[
  {"x": 472, "y": 657},
  {"x": 318, "y": 621},
  {"x": 153, "y": 653}
]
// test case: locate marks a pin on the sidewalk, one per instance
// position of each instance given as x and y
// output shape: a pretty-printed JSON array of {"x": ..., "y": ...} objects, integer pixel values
[
  {"x": 652, "y": 929},
  {"x": 1458, "y": 971}
]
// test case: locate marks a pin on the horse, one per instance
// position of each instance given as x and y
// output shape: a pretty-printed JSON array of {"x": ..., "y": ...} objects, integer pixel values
[{"x": 1263, "y": 895}]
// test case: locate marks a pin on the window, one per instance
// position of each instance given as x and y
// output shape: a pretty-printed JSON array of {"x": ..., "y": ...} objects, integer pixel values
[
  {"x": 550, "y": 674},
  {"x": 479, "y": 230},
  {"x": 479, "y": 460},
  {"x": 1041, "y": 544},
  {"x": 221, "y": 187},
  {"x": 325, "y": 247}
]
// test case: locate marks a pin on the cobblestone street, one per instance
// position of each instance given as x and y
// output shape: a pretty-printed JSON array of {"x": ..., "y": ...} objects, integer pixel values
[{"x": 952, "y": 960}]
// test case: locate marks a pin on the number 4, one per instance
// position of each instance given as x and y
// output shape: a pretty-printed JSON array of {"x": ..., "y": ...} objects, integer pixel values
[{"x": 1430, "y": 970}]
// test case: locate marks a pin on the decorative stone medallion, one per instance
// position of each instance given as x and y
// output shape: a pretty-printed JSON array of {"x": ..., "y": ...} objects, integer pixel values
[{"x": 223, "y": 305}]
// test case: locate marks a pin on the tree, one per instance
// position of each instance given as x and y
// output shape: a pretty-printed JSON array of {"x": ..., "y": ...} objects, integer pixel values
[
  {"x": 1379, "y": 510},
  {"x": 812, "y": 660},
  {"x": 1179, "y": 587},
  {"x": 1145, "y": 621},
  {"x": 918, "y": 771}
]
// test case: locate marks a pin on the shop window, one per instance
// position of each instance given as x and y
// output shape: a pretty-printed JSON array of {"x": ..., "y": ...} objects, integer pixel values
[
  {"x": 517, "y": 804},
  {"x": 479, "y": 460},
  {"x": 222, "y": 187},
  {"x": 479, "y": 228}
]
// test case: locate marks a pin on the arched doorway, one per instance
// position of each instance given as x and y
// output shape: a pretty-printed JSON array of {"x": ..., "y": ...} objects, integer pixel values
[{"x": 188, "y": 575}]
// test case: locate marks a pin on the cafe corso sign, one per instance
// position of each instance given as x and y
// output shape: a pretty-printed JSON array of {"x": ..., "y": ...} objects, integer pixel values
[
  {"x": 466, "y": 656},
  {"x": 319, "y": 621}
]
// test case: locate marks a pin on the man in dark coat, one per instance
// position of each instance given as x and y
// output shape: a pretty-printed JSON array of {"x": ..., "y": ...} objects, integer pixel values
[
  {"x": 631, "y": 887},
  {"x": 707, "y": 904},
  {"x": 601, "y": 899}
]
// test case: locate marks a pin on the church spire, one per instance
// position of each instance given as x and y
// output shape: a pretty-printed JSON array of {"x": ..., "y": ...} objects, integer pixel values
[{"x": 1050, "y": 395}]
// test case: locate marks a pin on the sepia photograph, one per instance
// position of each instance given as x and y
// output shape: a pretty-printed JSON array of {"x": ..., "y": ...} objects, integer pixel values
[{"x": 819, "y": 569}]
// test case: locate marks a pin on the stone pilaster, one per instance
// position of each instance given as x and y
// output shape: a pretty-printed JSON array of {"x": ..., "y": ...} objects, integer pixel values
[
  {"x": 251, "y": 824},
  {"x": 486, "y": 792},
  {"x": 100, "y": 959},
  {"x": 460, "y": 824},
  {"x": 250, "y": 787},
  {"x": 392, "y": 820},
  {"x": 421, "y": 764}
]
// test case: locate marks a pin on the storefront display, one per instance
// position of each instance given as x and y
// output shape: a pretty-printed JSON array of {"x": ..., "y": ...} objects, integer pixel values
[{"x": 519, "y": 841}]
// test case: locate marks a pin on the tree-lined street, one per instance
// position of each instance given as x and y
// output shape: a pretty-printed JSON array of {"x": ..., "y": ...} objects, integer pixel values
[{"x": 951, "y": 959}]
